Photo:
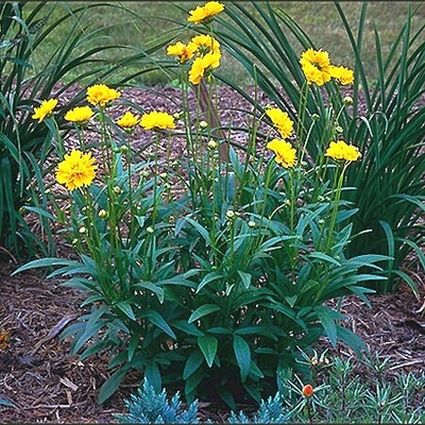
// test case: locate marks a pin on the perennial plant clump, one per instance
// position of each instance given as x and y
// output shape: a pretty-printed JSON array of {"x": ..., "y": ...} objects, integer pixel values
[{"x": 224, "y": 281}]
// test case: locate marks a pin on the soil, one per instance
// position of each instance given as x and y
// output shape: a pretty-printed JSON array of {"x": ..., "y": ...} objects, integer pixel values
[{"x": 47, "y": 384}]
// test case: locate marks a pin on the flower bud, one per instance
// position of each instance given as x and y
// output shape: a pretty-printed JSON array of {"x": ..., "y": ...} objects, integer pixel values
[
  {"x": 339, "y": 129},
  {"x": 203, "y": 124},
  {"x": 348, "y": 100},
  {"x": 145, "y": 173},
  {"x": 251, "y": 223},
  {"x": 163, "y": 175},
  {"x": 308, "y": 391},
  {"x": 177, "y": 115},
  {"x": 230, "y": 214},
  {"x": 315, "y": 117},
  {"x": 102, "y": 214},
  {"x": 314, "y": 361},
  {"x": 82, "y": 230},
  {"x": 124, "y": 149},
  {"x": 74, "y": 241},
  {"x": 117, "y": 190},
  {"x": 150, "y": 229},
  {"x": 212, "y": 144}
]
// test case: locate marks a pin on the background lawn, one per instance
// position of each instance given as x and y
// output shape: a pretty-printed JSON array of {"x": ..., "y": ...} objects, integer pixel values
[{"x": 140, "y": 25}]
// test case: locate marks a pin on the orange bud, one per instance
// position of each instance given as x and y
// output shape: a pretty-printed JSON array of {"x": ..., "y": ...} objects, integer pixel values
[{"x": 308, "y": 390}]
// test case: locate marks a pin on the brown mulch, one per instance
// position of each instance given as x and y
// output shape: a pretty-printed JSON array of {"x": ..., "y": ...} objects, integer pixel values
[{"x": 46, "y": 384}]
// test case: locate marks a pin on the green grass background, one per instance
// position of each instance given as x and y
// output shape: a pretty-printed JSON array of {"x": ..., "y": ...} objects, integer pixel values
[{"x": 138, "y": 24}]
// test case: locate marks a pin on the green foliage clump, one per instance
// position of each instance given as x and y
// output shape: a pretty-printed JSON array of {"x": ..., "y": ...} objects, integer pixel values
[{"x": 385, "y": 120}]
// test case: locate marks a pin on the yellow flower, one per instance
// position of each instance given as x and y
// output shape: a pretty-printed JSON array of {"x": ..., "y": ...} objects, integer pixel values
[
  {"x": 157, "y": 121},
  {"x": 340, "y": 150},
  {"x": 182, "y": 51},
  {"x": 79, "y": 114},
  {"x": 281, "y": 121},
  {"x": 205, "y": 12},
  {"x": 76, "y": 170},
  {"x": 344, "y": 75},
  {"x": 316, "y": 66},
  {"x": 286, "y": 155},
  {"x": 205, "y": 43},
  {"x": 45, "y": 109},
  {"x": 202, "y": 65},
  {"x": 101, "y": 94},
  {"x": 128, "y": 120}
]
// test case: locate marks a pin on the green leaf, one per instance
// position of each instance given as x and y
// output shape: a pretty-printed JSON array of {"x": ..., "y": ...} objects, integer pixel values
[
  {"x": 156, "y": 318},
  {"x": 208, "y": 345},
  {"x": 210, "y": 277},
  {"x": 111, "y": 385},
  {"x": 126, "y": 309},
  {"x": 153, "y": 375},
  {"x": 203, "y": 311},
  {"x": 193, "y": 363},
  {"x": 324, "y": 257},
  {"x": 243, "y": 355},
  {"x": 157, "y": 290},
  {"x": 246, "y": 279},
  {"x": 326, "y": 318},
  {"x": 351, "y": 339},
  {"x": 46, "y": 262}
]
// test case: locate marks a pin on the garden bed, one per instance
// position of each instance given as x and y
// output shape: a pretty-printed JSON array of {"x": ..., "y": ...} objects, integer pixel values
[{"x": 45, "y": 383}]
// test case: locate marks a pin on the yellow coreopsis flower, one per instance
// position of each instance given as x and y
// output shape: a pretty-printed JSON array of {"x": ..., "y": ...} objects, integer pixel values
[
  {"x": 204, "y": 13},
  {"x": 182, "y": 51},
  {"x": 79, "y": 114},
  {"x": 316, "y": 66},
  {"x": 286, "y": 155},
  {"x": 101, "y": 95},
  {"x": 157, "y": 121},
  {"x": 205, "y": 43},
  {"x": 44, "y": 110},
  {"x": 202, "y": 65},
  {"x": 340, "y": 150},
  {"x": 281, "y": 121},
  {"x": 128, "y": 120},
  {"x": 344, "y": 75},
  {"x": 76, "y": 170}
]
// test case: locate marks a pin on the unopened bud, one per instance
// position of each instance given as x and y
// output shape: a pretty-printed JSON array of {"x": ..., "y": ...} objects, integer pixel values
[
  {"x": 315, "y": 117},
  {"x": 102, "y": 214},
  {"x": 163, "y": 175},
  {"x": 124, "y": 149},
  {"x": 177, "y": 115},
  {"x": 339, "y": 129},
  {"x": 117, "y": 190},
  {"x": 82, "y": 230},
  {"x": 203, "y": 124},
  {"x": 348, "y": 100},
  {"x": 150, "y": 229},
  {"x": 251, "y": 223},
  {"x": 74, "y": 241},
  {"x": 230, "y": 214},
  {"x": 212, "y": 144},
  {"x": 145, "y": 173}
]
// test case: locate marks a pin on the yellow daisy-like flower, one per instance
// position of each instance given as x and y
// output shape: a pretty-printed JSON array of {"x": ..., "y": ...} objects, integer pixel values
[
  {"x": 340, "y": 150},
  {"x": 316, "y": 66},
  {"x": 286, "y": 155},
  {"x": 344, "y": 75},
  {"x": 44, "y": 110},
  {"x": 157, "y": 121},
  {"x": 182, "y": 51},
  {"x": 205, "y": 43},
  {"x": 128, "y": 120},
  {"x": 76, "y": 170},
  {"x": 101, "y": 94},
  {"x": 79, "y": 114},
  {"x": 204, "y": 13},
  {"x": 281, "y": 121},
  {"x": 202, "y": 65}
]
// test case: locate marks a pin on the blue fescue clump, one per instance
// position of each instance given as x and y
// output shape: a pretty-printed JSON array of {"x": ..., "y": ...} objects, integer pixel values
[
  {"x": 270, "y": 412},
  {"x": 148, "y": 406}
]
